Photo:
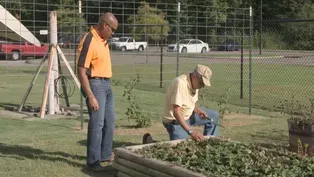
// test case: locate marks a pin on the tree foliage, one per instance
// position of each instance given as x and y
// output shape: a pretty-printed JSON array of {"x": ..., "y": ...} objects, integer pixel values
[
  {"x": 299, "y": 35},
  {"x": 70, "y": 21},
  {"x": 153, "y": 20},
  {"x": 206, "y": 19}
]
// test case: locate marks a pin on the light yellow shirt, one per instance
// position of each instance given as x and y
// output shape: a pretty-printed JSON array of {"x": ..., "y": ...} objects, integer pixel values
[{"x": 181, "y": 93}]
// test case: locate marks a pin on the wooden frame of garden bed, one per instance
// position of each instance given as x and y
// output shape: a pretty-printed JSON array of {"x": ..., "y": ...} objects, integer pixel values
[{"x": 129, "y": 164}]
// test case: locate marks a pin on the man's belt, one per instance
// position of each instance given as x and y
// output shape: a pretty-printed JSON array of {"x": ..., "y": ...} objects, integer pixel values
[{"x": 100, "y": 78}]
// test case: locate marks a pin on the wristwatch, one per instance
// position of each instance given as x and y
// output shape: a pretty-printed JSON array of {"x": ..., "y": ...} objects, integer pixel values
[{"x": 190, "y": 132}]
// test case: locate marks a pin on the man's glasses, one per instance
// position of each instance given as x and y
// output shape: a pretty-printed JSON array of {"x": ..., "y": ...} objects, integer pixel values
[{"x": 112, "y": 29}]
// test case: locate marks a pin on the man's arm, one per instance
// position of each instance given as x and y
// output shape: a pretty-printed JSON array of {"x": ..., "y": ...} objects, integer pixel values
[
  {"x": 177, "y": 114},
  {"x": 196, "y": 109},
  {"x": 84, "y": 82},
  {"x": 84, "y": 60},
  {"x": 200, "y": 112}
]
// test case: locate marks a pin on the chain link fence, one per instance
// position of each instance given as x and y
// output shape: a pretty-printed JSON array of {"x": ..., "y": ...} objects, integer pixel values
[
  {"x": 146, "y": 43},
  {"x": 285, "y": 69}
]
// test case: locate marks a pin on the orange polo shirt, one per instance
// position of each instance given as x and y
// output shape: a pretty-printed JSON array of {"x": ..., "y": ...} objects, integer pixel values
[{"x": 93, "y": 54}]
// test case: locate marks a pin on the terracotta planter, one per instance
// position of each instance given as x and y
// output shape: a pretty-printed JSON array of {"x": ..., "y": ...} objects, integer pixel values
[{"x": 301, "y": 138}]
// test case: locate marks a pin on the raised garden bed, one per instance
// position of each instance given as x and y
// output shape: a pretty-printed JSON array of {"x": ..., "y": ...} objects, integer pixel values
[{"x": 212, "y": 157}]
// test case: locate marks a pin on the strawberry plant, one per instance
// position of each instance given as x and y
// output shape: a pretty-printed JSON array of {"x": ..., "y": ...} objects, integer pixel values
[{"x": 215, "y": 157}]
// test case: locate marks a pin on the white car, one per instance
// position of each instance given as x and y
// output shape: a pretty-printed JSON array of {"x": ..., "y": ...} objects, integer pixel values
[
  {"x": 189, "y": 46},
  {"x": 128, "y": 43}
]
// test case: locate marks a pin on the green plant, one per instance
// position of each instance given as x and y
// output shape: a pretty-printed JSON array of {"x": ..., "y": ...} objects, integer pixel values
[
  {"x": 116, "y": 82},
  {"x": 223, "y": 102},
  {"x": 134, "y": 111},
  {"x": 300, "y": 113},
  {"x": 219, "y": 157}
]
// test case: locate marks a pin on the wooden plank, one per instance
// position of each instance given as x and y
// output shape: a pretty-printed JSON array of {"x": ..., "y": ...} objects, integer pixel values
[
  {"x": 128, "y": 171},
  {"x": 121, "y": 174},
  {"x": 33, "y": 81},
  {"x": 69, "y": 67},
  {"x": 173, "y": 143},
  {"x": 141, "y": 168},
  {"x": 164, "y": 167}
]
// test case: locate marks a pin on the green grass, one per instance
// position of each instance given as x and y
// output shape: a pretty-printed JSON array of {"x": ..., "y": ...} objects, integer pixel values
[
  {"x": 213, "y": 54},
  {"x": 272, "y": 83},
  {"x": 57, "y": 147}
]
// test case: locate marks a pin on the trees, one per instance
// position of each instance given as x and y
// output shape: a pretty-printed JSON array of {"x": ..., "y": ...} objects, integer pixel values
[
  {"x": 299, "y": 35},
  {"x": 150, "y": 21},
  {"x": 70, "y": 21}
]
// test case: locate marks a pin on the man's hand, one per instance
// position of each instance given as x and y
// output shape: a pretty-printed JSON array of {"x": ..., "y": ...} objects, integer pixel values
[
  {"x": 93, "y": 103},
  {"x": 197, "y": 136},
  {"x": 202, "y": 114}
]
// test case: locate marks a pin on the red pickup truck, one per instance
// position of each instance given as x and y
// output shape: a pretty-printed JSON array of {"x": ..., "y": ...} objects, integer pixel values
[{"x": 22, "y": 50}]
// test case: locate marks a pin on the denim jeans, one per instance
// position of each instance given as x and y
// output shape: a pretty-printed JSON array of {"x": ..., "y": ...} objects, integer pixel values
[
  {"x": 176, "y": 131},
  {"x": 101, "y": 123}
]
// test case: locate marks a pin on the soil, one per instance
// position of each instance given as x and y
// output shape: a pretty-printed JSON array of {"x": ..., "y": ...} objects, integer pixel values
[{"x": 229, "y": 121}]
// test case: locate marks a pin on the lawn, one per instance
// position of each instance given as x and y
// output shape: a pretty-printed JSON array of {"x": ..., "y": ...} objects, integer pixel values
[
  {"x": 271, "y": 83},
  {"x": 56, "y": 147},
  {"x": 35, "y": 147}
]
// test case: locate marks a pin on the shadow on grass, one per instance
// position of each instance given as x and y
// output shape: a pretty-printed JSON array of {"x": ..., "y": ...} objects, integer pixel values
[
  {"x": 108, "y": 172},
  {"x": 116, "y": 144},
  {"x": 9, "y": 106},
  {"x": 25, "y": 152}
]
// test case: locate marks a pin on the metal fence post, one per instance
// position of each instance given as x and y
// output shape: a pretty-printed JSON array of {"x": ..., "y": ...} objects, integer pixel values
[
  {"x": 261, "y": 28},
  {"x": 161, "y": 55},
  {"x": 81, "y": 96},
  {"x": 178, "y": 37},
  {"x": 250, "y": 62}
]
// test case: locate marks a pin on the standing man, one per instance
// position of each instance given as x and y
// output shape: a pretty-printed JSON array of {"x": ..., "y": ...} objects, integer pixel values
[
  {"x": 94, "y": 72},
  {"x": 181, "y": 111}
]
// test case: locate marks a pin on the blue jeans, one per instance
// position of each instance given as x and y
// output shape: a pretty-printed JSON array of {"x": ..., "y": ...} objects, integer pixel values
[
  {"x": 176, "y": 131},
  {"x": 101, "y": 123}
]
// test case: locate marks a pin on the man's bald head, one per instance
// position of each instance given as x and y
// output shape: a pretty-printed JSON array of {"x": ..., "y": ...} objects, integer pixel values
[
  {"x": 109, "y": 19},
  {"x": 107, "y": 25}
]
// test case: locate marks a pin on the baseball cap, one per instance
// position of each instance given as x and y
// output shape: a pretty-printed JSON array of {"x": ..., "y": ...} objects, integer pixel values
[{"x": 205, "y": 72}]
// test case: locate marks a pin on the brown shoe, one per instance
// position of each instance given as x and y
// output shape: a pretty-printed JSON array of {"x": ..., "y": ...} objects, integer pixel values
[
  {"x": 96, "y": 167},
  {"x": 109, "y": 160}
]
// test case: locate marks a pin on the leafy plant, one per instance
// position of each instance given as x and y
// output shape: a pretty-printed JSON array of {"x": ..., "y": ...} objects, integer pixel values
[
  {"x": 300, "y": 114},
  {"x": 134, "y": 111},
  {"x": 223, "y": 102},
  {"x": 152, "y": 19},
  {"x": 216, "y": 157}
]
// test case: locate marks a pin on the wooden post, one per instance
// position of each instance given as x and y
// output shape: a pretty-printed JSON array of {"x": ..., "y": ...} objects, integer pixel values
[
  {"x": 69, "y": 67},
  {"x": 120, "y": 174},
  {"x": 129, "y": 171},
  {"x": 161, "y": 166},
  {"x": 141, "y": 168},
  {"x": 53, "y": 101},
  {"x": 47, "y": 83},
  {"x": 33, "y": 81}
]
